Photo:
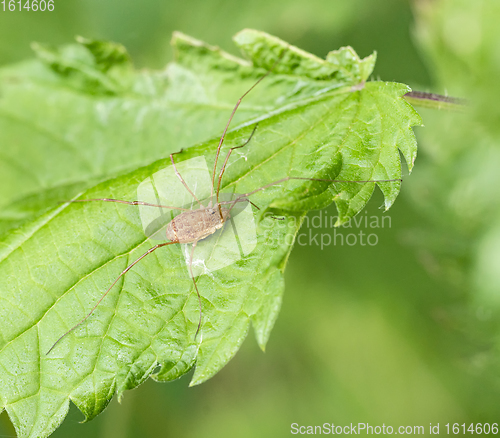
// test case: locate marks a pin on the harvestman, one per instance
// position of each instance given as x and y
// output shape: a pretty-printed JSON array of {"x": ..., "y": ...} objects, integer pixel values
[{"x": 191, "y": 226}]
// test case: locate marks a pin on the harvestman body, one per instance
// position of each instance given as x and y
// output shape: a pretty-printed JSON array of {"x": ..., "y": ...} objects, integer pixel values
[{"x": 191, "y": 226}]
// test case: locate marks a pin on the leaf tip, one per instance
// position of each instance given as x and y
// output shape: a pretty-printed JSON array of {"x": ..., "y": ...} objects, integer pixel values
[
  {"x": 388, "y": 203},
  {"x": 261, "y": 340},
  {"x": 195, "y": 381}
]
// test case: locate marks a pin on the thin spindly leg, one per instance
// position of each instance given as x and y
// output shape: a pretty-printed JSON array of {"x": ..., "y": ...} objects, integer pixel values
[
  {"x": 195, "y": 286},
  {"x": 227, "y": 159},
  {"x": 182, "y": 180},
  {"x": 128, "y": 268},
  {"x": 242, "y": 197},
  {"x": 234, "y": 111},
  {"x": 147, "y": 204}
]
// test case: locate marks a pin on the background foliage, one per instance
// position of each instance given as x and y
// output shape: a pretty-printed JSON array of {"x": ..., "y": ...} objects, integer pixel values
[{"x": 410, "y": 340}]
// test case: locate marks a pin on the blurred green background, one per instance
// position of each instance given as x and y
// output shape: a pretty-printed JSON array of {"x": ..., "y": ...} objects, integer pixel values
[{"x": 401, "y": 333}]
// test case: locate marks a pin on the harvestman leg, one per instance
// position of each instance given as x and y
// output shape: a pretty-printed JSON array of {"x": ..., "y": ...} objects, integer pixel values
[
  {"x": 224, "y": 168},
  {"x": 229, "y": 152},
  {"x": 128, "y": 203},
  {"x": 182, "y": 180},
  {"x": 195, "y": 285},
  {"x": 128, "y": 268},
  {"x": 147, "y": 203},
  {"x": 232, "y": 115},
  {"x": 288, "y": 178}
]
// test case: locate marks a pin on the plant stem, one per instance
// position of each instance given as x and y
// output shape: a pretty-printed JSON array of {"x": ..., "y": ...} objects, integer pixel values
[{"x": 435, "y": 101}]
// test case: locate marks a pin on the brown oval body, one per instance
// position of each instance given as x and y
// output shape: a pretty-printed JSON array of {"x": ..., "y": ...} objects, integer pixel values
[{"x": 193, "y": 225}]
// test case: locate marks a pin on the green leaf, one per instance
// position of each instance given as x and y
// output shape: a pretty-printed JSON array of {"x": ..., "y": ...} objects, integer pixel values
[
  {"x": 82, "y": 114},
  {"x": 56, "y": 265},
  {"x": 342, "y": 65},
  {"x": 94, "y": 67}
]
